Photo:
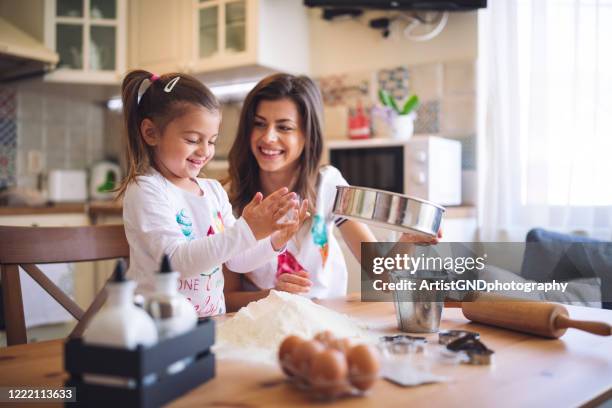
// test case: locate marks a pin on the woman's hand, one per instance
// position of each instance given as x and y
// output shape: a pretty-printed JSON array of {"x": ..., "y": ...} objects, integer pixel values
[
  {"x": 281, "y": 237},
  {"x": 262, "y": 214},
  {"x": 295, "y": 282},
  {"x": 420, "y": 238}
]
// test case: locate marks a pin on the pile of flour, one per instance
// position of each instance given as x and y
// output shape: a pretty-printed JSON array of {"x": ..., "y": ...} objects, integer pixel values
[{"x": 256, "y": 331}]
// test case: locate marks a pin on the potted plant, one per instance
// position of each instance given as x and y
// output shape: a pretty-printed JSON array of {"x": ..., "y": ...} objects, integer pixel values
[{"x": 402, "y": 121}]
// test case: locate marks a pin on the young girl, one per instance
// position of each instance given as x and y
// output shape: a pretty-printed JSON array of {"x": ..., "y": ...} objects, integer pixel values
[
  {"x": 279, "y": 144},
  {"x": 172, "y": 125}
]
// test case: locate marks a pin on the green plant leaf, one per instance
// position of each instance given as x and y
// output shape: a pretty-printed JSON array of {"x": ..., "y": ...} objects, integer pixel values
[
  {"x": 411, "y": 105},
  {"x": 388, "y": 100},
  {"x": 394, "y": 104},
  {"x": 384, "y": 97}
]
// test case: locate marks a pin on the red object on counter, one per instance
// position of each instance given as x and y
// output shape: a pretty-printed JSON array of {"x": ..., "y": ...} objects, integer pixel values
[{"x": 359, "y": 124}]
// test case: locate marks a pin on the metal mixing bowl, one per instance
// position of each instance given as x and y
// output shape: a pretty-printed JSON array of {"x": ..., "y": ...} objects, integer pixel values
[{"x": 385, "y": 209}]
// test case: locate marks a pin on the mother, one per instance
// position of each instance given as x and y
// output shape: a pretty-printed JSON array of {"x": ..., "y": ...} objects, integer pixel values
[{"x": 279, "y": 143}]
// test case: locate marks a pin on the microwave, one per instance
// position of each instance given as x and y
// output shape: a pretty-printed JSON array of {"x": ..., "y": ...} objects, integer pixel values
[{"x": 426, "y": 167}]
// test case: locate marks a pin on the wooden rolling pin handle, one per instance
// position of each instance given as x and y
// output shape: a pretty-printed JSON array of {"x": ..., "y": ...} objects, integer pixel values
[{"x": 600, "y": 328}]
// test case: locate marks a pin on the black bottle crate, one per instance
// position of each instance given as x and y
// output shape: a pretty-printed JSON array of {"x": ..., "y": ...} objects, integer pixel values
[{"x": 138, "y": 365}]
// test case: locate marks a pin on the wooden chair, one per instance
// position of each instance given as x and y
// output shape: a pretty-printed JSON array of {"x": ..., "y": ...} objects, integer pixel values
[{"x": 28, "y": 246}]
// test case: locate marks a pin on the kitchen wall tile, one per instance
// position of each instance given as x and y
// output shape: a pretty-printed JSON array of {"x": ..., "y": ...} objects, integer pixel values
[
  {"x": 56, "y": 160},
  {"x": 7, "y": 165},
  {"x": 95, "y": 117},
  {"x": 395, "y": 81},
  {"x": 227, "y": 132},
  {"x": 30, "y": 107},
  {"x": 358, "y": 86},
  {"x": 96, "y": 149},
  {"x": 22, "y": 164},
  {"x": 114, "y": 139},
  {"x": 77, "y": 151},
  {"x": 459, "y": 78},
  {"x": 57, "y": 140},
  {"x": 76, "y": 112},
  {"x": 55, "y": 110},
  {"x": 8, "y": 132},
  {"x": 68, "y": 129},
  {"x": 8, "y": 104},
  {"x": 428, "y": 118},
  {"x": 426, "y": 81},
  {"x": 458, "y": 115},
  {"x": 30, "y": 135},
  {"x": 331, "y": 88},
  {"x": 8, "y": 137},
  {"x": 346, "y": 89}
]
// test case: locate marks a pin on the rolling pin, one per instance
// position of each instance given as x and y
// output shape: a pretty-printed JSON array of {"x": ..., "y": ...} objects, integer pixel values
[{"x": 540, "y": 318}]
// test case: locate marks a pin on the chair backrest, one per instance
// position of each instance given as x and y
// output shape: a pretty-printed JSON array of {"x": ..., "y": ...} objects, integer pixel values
[{"x": 28, "y": 246}]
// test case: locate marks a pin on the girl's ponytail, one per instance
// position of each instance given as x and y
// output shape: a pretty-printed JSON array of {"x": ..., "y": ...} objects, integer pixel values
[{"x": 138, "y": 153}]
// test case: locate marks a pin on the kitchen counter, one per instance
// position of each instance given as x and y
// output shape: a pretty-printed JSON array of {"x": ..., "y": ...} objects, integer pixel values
[
  {"x": 64, "y": 208},
  {"x": 91, "y": 208},
  {"x": 527, "y": 371},
  {"x": 111, "y": 207},
  {"x": 96, "y": 208}
]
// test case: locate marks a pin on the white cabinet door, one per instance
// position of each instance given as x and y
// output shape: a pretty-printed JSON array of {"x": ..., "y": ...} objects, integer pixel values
[
  {"x": 160, "y": 35},
  {"x": 225, "y": 34},
  {"x": 90, "y": 38}
]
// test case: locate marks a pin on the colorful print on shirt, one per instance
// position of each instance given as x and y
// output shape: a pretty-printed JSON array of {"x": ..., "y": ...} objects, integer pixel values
[
  {"x": 319, "y": 236},
  {"x": 205, "y": 292},
  {"x": 288, "y": 264},
  {"x": 184, "y": 221}
]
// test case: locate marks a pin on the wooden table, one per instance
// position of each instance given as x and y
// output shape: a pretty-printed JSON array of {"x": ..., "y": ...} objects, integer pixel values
[{"x": 527, "y": 371}]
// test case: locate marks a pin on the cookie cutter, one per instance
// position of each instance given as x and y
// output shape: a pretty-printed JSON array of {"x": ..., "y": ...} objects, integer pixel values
[
  {"x": 448, "y": 336},
  {"x": 403, "y": 344},
  {"x": 475, "y": 350}
]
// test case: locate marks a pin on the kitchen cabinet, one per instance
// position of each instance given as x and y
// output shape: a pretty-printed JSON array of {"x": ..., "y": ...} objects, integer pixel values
[
  {"x": 90, "y": 38},
  {"x": 159, "y": 35},
  {"x": 220, "y": 40}
]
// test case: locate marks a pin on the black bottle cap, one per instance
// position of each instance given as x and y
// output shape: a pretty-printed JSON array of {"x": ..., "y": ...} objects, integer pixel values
[
  {"x": 119, "y": 273},
  {"x": 165, "y": 265}
]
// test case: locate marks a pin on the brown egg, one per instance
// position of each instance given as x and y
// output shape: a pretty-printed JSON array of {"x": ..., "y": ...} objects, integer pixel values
[
  {"x": 364, "y": 366},
  {"x": 325, "y": 337},
  {"x": 342, "y": 345},
  {"x": 303, "y": 355},
  {"x": 286, "y": 350},
  {"x": 328, "y": 373}
]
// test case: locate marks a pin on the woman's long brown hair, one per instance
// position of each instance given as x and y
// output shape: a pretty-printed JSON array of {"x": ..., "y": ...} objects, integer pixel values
[
  {"x": 161, "y": 107},
  {"x": 243, "y": 168}
]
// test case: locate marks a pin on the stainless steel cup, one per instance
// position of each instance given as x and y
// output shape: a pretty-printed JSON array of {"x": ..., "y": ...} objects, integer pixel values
[{"x": 418, "y": 311}]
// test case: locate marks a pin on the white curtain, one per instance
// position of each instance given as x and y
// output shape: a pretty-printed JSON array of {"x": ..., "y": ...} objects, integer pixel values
[{"x": 545, "y": 117}]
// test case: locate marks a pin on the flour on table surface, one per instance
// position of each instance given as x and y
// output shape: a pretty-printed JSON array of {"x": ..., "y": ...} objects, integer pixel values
[{"x": 255, "y": 332}]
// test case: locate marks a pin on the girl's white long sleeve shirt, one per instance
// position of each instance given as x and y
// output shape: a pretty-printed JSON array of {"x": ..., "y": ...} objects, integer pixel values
[{"x": 198, "y": 232}]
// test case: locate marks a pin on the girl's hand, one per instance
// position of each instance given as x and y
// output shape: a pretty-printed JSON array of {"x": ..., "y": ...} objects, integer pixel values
[
  {"x": 296, "y": 282},
  {"x": 420, "y": 238},
  {"x": 262, "y": 214},
  {"x": 283, "y": 235}
]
